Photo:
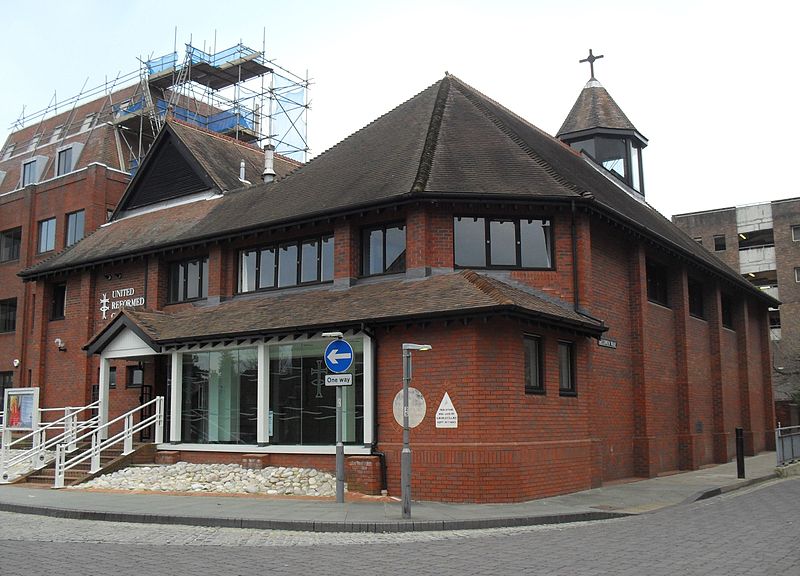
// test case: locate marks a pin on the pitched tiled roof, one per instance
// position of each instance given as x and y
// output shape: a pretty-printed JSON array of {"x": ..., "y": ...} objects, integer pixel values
[
  {"x": 447, "y": 141},
  {"x": 445, "y": 295},
  {"x": 220, "y": 156},
  {"x": 595, "y": 108}
]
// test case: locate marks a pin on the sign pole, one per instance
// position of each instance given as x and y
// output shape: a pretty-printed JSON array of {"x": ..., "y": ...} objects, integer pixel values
[
  {"x": 339, "y": 448},
  {"x": 338, "y": 358},
  {"x": 405, "y": 455}
]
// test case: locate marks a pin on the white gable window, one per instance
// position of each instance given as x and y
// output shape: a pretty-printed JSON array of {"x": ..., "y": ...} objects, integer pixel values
[
  {"x": 56, "y": 133},
  {"x": 87, "y": 122},
  {"x": 67, "y": 158},
  {"x": 9, "y": 151},
  {"x": 34, "y": 142}
]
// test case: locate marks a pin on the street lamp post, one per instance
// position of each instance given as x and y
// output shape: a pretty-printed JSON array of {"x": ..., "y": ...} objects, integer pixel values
[{"x": 405, "y": 455}]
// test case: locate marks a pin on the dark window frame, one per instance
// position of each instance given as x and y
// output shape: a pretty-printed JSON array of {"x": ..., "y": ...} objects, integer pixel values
[
  {"x": 726, "y": 311},
  {"x": 11, "y": 243},
  {"x": 795, "y": 229},
  {"x": 720, "y": 244},
  {"x": 657, "y": 283},
  {"x": 696, "y": 299},
  {"x": 58, "y": 301},
  {"x": 130, "y": 378},
  {"x": 572, "y": 386},
  {"x": 365, "y": 232},
  {"x": 8, "y": 319},
  {"x": 29, "y": 172},
  {"x": 6, "y": 381},
  {"x": 50, "y": 246},
  {"x": 69, "y": 227},
  {"x": 183, "y": 290},
  {"x": 275, "y": 248},
  {"x": 533, "y": 347},
  {"x": 547, "y": 223},
  {"x": 112, "y": 377},
  {"x": 66, "y": 166}
]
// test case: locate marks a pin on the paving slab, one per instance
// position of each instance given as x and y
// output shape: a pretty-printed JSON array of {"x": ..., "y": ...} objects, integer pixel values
[{"x": 610, "y": 501}]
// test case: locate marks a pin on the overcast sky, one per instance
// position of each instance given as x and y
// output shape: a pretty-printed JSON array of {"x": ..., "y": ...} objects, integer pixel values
[{"x": 711, "y": 84}]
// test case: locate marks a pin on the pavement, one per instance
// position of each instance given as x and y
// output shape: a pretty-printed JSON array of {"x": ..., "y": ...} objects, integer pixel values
[{"x": 365, "y": 514}]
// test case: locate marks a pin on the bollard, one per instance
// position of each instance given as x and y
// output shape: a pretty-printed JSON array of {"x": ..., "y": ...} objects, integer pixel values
[{"x": 739, "y": 453}]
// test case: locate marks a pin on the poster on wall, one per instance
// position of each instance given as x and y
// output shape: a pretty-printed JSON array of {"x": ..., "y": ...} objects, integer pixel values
[{"x": 21, "y": 408}]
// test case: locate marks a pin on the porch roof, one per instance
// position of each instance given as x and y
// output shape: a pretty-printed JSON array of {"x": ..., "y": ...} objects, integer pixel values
[{"x": 448, "y": 295}]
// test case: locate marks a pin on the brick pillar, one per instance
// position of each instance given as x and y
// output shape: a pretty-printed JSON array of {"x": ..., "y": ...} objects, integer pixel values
[
  {"x": 218, "y": 282},
  {"x": 346, "y": 253},
  {"x": 157, "y": 283},
  {"x": 679, "y": 298},
  {"x": 642, "y": 458},
  {"x": 417, "y": 223},
  {"x": 743, "y": 341},
  {"x": 766, "y": 381},
  {"x": 87, "y": 298},
  {"x": 720, "y": 436},
  {"x": 583, "y": 235}
]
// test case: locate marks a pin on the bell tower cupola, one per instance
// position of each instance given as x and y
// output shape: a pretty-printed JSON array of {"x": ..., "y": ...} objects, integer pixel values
[{"x": 597, "y": 126}]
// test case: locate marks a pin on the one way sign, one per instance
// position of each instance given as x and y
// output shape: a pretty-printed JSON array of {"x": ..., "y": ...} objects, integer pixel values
[{"x": 339, "y": 356}]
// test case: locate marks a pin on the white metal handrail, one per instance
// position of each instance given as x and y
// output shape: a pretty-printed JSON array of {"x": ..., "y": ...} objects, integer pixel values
[
  {"x": 41, "y": 443},
  {"x": 125, "y": 436}
]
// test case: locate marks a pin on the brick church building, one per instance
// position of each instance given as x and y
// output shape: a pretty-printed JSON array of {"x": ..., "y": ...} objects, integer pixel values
[{"x": 580, "y": 335}]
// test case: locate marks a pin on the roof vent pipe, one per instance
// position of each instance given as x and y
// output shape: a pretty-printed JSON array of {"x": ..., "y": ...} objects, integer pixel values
[
  {"x": 269, "y": 159},
  {"x": 241, "y": 174}
]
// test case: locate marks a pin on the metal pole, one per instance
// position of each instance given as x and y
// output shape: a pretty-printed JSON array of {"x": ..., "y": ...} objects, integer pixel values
[
  {"x": 739, "y": 453},
  {"x": 339, "y": 448},
  {"x": 405, "y": 456}
]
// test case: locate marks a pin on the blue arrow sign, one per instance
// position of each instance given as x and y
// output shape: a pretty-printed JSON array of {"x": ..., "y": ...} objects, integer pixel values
[{"x": 339, "y": 356}]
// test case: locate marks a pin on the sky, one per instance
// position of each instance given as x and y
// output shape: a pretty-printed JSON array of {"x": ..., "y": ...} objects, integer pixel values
[{"x": 711, "y": 84}]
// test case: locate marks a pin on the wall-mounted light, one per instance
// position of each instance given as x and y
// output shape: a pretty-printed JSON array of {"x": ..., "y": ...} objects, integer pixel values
[
  {"x": 16, "y": 362},
  {"x": 108, "y": 276},
  {"x": 119, "y": 275},
  {"x": 61, "y": 345}
]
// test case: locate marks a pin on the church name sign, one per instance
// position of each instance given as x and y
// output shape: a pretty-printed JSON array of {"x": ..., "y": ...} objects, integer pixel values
[{"x": 120, "y": 298}]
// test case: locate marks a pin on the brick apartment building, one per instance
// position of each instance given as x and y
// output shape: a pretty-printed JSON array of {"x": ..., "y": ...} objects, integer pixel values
[
  {"x": 581, "y": 336},
  {"x": 62, "y": 174},
  {"x": 60, "y": 179},
  {"x": 762, "y": 242}
]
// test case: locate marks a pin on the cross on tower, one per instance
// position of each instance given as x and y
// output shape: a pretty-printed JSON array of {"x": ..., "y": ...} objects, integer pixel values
[{"x": 590, "y": 59}]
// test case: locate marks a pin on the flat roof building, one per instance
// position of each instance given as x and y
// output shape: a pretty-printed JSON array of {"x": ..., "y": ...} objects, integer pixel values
[{"x": 762, "y": 242}]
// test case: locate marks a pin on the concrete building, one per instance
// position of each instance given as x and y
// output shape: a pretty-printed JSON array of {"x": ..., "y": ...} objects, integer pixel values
[
  {"x": 579, "y": 335},
  {"x": 762, "y": 242}
]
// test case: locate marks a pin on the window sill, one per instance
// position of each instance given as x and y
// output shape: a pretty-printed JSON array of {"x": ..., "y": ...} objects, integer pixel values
[
  {"x": 535, "y": 391},
  {"x": 567, "y": 393},
  {"x": 57, "y": 318},
  {"x": 189, "y": 301}
]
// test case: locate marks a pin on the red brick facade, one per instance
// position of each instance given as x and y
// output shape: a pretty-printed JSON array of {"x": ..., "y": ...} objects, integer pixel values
[{"x": 667, "y": 398}]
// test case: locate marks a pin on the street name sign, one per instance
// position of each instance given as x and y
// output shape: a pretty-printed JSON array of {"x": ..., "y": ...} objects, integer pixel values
[{"x": 338, "y": 379}]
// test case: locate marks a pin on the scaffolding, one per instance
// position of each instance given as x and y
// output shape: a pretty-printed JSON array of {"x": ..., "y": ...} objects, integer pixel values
[{"x": 236, "y": 92}]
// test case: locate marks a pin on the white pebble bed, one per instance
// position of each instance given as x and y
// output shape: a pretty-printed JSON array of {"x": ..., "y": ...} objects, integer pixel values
[
  {"x": 25, "y": 466},
  {"x": 220, "y": 478}
]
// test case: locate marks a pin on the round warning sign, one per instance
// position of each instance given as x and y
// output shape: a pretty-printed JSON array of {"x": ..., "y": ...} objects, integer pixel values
[{"x": 416, "y": 407}]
